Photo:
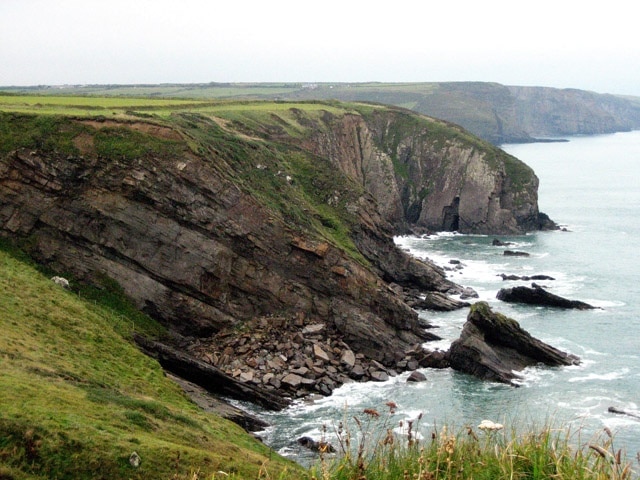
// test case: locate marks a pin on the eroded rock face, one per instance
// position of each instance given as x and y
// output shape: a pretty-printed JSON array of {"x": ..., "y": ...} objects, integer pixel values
[
  {"x": 492, "y": 346},
  {"x": 425, "y": 178},
  {"x": 198, "y": 252}
]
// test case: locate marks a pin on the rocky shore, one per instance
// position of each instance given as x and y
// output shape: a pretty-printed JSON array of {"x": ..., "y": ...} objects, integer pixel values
[{"x": 296, "y": 358}]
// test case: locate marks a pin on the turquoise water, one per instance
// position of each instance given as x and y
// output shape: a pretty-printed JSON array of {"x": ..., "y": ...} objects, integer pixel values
[{"x": 591, "y": 185}]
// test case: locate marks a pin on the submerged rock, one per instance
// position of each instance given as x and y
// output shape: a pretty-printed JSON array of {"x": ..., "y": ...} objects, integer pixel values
[
  {"x": 525, "y": 278},
  {"x": 493, "y": 346},
  {"x": 536, "y": 295}
]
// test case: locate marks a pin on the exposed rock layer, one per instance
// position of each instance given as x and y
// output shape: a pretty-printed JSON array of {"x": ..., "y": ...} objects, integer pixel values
[
  {"x": 188, "y": 217},
  {"x": 491, "y": 346}
]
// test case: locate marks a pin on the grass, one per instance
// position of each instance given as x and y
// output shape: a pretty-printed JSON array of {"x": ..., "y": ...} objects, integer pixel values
[
  {"x": 79, "y": 398},
  {"x": 371, "y": 450}
]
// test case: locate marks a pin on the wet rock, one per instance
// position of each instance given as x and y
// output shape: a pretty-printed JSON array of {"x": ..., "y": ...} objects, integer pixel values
[
  {"x": 416, "y": 377},
  {"x": 515, "y": 253},
  {"x": 379, "y": 376},
  {"x": 316, "y": 446},
  {"x": 525, "y": 277},
  {"x": 493, "y": 346},
  {"x": 498, "y": 243},
  {"x": 435, "y": 359},
  {"x": 467, "y": 293},
  {"x": 536, "y": 295},
  {"x": 436, "y": 301}
]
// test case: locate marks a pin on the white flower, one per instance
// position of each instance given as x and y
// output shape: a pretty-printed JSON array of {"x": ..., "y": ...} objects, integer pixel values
[{"x": 490, "y": 426}]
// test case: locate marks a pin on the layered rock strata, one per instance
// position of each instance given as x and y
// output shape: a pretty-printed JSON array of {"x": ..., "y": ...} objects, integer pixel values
[
  {"x": 207, "y": 227},
  {"x": 494, "y": 347}
]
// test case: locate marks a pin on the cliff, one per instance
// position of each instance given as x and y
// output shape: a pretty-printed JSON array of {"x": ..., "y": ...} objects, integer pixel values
[
  {"x": 211, "y": 218},
  {"x": 512, "y": 114}
]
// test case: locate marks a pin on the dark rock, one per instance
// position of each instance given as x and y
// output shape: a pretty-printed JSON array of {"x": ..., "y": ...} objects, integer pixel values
[
  {"x": 623, "y": 412},
  {"x": 536, "y": 295},
  {"x": 357, "y": 372},
  {"x": 207, "y": 376},
  {"x": 435, "y": 359},
  {"x": 525, "y": 277},
  {"x": 437, "y": 301},
  {"x": 379, "y": 376},
  {"x": 316, "y": 446},
  {"x": 416, "y": 377},
  {"x": 467, "y": 293},
  {"x": 493, "y": 346},
  {"x": 515, "y": 253},
  {"x": 214, "y": 404},
  {"x": 499, "y": 243}
]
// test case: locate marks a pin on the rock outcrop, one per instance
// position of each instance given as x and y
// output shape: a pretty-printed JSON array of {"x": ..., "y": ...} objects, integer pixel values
[
  {"x": 429, "y": 175},
  {"x": 208, "y": 224},
  {"x": 493, "y": 346},
  {"x": 536, "y": 295}
]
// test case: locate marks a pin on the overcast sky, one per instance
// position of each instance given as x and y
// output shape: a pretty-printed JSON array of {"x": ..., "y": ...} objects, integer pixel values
[{"x": 558, "y": 43}]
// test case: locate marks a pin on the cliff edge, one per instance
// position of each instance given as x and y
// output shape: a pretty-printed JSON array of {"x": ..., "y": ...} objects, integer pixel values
[{"x": 210, "y": 218}]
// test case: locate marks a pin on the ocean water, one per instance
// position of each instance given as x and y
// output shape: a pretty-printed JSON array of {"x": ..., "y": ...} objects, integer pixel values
[{"x": 590, "y": 185}]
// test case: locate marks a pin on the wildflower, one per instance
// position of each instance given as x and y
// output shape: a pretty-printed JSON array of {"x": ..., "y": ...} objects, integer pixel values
[
  {"x": 371, "y": 412},
  {"x": 488, "y": 425},
  {"x": 392, "y": 406}
]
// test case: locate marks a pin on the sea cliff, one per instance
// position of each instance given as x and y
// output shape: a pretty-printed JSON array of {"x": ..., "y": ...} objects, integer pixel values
[{"x": 213, "y": 217}]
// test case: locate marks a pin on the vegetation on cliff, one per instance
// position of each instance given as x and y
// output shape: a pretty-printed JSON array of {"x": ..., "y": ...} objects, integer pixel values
[
  {"x": 82, "y": 398},
  {"x": 79, "y": 399}
]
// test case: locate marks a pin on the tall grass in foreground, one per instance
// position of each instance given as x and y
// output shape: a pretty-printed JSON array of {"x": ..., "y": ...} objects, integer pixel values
[{"x": 374, "y": 452}]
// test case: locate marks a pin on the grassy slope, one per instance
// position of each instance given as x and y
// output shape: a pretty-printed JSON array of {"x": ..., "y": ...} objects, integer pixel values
[{"x": 78, "y": 398}]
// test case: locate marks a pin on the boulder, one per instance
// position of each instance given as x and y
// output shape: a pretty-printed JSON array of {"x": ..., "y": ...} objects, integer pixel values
[
  {"x": 515, "y": 253},
  {"x": 292, "y": 380},
  {"x": 536, "y": 295},
  {"x": 357, "y": 372},
  {"x": 379, "y": 376},
  {"x": 319, "y": 353},
  {"x": 416, "y": 376},
  {"x": 493, "y": 346},
  {"x": 348, "y": 358}
]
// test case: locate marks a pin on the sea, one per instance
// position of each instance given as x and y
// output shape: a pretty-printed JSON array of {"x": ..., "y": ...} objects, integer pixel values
[{"x": 590, "y": 185}]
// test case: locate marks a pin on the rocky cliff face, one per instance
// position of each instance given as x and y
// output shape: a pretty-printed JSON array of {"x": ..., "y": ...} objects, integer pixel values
[
  {"x": 208, "y": 223},
  {"x": 429, "y": 175},
  {"x": 192, "y": 245},
  {"x": 502, "y": 114},
  {"x": 498, "y": 113}
]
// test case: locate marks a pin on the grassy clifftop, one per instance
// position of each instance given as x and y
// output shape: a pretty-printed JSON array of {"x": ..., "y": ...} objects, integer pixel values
[{"x": 78, "y": 398}]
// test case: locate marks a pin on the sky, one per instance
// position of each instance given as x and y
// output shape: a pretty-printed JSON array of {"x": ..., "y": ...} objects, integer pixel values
[{"x": 559, "y": 43}]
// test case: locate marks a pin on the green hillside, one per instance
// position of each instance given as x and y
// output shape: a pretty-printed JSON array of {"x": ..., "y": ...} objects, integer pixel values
[{"x": 78, "y": 398}]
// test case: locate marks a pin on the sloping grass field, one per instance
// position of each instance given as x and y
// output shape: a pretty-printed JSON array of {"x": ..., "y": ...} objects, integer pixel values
[{"x": 77, "y": 398}]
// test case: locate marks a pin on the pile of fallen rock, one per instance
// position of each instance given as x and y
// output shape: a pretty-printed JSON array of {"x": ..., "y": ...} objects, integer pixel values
[{"x": 293, "y": 357}]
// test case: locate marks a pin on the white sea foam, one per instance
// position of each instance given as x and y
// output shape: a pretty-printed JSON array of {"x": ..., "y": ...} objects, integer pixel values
[{"x": 601, "y": 376}]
